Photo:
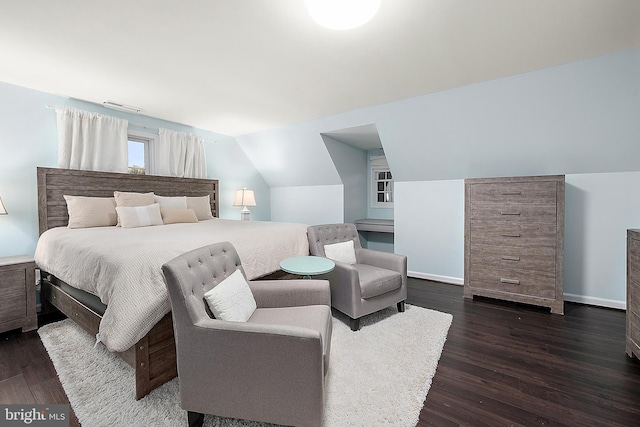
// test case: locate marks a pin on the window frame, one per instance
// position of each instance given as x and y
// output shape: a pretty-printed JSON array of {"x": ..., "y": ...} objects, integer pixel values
[
  {"x": 378, "y": 164},
  {"x": 147, "y": 139}
]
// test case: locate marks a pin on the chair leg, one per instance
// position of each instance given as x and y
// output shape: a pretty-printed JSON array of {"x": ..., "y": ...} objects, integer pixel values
[
  {"x": 196, "y": 419},
  {"x": 401, "y": 306},
  {"x": 355, "y": 324}
]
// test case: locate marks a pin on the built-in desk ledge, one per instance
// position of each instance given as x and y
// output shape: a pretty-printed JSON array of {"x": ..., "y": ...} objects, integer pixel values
[{"x": 377, "y": 225}]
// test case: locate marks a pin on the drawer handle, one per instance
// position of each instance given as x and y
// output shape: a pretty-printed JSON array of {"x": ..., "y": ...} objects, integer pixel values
[
  {"x": 510, "y": 234},
  {"x": 510, "y": 281},
  {"x": 511, "y": 258},
  {"x": 512, "y": 193},
  {"x": 509, "y": 213}
]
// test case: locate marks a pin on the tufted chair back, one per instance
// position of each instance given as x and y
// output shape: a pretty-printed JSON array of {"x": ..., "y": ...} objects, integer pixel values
[
  {"x": 321, "y": 235},
  {"x": 194, "y": 273}
]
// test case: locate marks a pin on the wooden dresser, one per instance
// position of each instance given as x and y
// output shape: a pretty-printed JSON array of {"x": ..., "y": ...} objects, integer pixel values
[
  {"x": 514, "y": 231},
  {"x": 633, "y": 293}
]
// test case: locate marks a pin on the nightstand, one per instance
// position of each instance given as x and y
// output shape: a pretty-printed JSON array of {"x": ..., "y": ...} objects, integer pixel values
[{"x": 18, "y": 293}]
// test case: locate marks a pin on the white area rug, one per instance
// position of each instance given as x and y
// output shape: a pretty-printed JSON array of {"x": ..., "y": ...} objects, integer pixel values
[{"x": 377, "y": 376}]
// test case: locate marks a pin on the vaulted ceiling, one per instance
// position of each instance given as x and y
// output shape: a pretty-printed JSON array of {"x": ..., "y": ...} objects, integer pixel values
[{"x": 240, "y": 66}]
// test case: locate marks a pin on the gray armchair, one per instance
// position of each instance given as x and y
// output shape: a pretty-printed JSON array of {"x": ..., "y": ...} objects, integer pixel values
[
  {"x": 270, "y": 368},
  {"x": 376, "y": 281}
]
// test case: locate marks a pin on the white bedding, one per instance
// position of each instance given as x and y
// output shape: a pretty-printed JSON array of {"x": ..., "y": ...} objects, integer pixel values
[{"x": 122, "y": 266}]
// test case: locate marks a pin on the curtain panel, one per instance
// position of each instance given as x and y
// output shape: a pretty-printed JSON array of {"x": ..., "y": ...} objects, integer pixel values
[
  {"x": 91, "y": 141},
  {"x": 177, "y": 154}
]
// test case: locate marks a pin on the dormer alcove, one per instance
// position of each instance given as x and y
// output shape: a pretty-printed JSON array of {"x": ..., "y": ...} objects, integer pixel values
[{"x": 358, "y": 156}]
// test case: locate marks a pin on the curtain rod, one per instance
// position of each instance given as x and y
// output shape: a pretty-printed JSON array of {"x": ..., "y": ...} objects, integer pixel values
[{"x": 157, "y": 130}]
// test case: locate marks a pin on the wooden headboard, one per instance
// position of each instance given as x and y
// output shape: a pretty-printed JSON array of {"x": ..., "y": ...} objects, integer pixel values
[{"x": 54, "y": 183}]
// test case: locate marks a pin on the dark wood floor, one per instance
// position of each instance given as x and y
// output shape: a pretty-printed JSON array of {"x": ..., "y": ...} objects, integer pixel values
[
  {"x": 507, "y": 364},
  {"x": 503, "y": 365}
]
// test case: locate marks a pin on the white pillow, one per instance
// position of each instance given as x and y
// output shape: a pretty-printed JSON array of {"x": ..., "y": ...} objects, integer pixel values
[
  {"x": 139, "y": 216},
  {"x": 201, "y": 206},
  {"x": 341, "y": 252},
  {"x": 91, "y": 211},
  {"x": 171, "y": 202},
  {"x": 232, "y": 299}
]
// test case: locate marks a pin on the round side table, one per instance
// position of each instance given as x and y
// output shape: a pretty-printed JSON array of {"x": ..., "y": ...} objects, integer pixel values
[{"x": 307, "y": 266}]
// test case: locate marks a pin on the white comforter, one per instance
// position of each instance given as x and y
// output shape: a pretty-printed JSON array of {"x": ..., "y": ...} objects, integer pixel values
[{"x": 122, "y": 266}]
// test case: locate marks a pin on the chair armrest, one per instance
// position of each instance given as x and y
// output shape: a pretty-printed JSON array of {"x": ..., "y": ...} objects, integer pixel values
[
  {"x": 345, "y": 285},
  {"x": 290, "y": 293},
  {"x": 380, "y": 259}
]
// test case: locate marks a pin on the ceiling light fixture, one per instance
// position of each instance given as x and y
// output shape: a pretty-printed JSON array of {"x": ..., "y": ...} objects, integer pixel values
[
  {"x": 121, "y": 107},
  {"x": 342, "y": 14}
]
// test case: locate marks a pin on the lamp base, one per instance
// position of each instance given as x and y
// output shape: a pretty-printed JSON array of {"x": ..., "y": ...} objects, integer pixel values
[{"x": 245, "y": 214}]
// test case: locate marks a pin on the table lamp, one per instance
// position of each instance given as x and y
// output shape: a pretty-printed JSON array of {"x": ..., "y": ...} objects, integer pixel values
[{"x": 244, "y": 198}]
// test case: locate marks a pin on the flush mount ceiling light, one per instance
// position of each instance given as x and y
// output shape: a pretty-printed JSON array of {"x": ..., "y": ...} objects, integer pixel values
[{"x": 342, "y": 14}]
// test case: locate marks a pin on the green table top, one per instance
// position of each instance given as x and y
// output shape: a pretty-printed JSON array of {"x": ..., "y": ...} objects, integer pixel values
[{"x": 307, "y": 265}]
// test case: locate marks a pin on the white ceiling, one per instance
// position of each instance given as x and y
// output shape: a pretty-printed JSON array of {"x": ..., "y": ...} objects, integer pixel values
[{"x": 240, "y": 66}]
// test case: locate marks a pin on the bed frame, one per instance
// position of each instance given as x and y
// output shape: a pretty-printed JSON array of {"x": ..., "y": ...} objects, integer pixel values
[{"x": 154, "y": 356}]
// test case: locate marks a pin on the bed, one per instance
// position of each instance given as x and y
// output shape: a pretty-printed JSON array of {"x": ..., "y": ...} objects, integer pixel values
[{"x": 97, "y": 298}]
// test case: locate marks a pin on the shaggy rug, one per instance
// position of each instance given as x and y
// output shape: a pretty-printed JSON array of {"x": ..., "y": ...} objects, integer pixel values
[{"x": 377, "y": 376}]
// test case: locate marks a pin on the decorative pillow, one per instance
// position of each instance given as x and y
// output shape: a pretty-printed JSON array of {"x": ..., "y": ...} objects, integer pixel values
[
  {"x": 173, "y": 216},
  {"x": 133, "y": 199},
  {"x": 171, "y": 202},
  {"x": 201, "y": 206},
  {"x": 341, "y": 252},
  {"x": 139, "y": 216},
  {"x": 91, "y": 211},
  {"x": 126, "y": 199},
  {"x": 232, "y": 299}
]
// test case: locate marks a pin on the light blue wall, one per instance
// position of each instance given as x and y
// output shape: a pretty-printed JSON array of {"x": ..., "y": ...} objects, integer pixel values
[
  {"x": 351, "y": 164},
  {"x": 311, "y": 205},
  {"x": 28, "y": 139},
  {"x": 576, "y": 118},
  {"x": 581, "y": 118}
]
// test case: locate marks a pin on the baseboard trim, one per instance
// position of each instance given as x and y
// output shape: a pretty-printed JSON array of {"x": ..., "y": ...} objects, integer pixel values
[
  {"x": 600, "y": 302},
  {"x": 436, "y": 278},
  {"x": 581, "y": 299}
]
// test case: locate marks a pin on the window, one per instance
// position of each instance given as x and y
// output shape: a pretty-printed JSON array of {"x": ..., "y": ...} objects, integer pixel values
[
  {"x": 139, "y": 151},
  {"x": 381, "y": 183}
]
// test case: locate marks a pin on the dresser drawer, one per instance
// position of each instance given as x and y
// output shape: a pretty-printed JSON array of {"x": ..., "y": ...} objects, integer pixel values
[
  {"x": 491, "y": 233},
  {"x": 514, "y": 192},
  {"x": 513, "y": 281},
  {"x": 513, "y": 213},
  {"x": 540, "y": 259}
]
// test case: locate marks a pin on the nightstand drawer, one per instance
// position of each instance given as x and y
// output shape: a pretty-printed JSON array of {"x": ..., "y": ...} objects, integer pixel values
[
  {"x": 515, "y": 192},
  {"x": 17, "y": 294},
  {"x": 13, "y": 300}
]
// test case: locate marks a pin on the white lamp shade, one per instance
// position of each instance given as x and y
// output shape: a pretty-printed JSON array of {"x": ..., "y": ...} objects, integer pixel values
[
  {"x": 244, "y": 197},
  {"x": 3, "y": 210}
]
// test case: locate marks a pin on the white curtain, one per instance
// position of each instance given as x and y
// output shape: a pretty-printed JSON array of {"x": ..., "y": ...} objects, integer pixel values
[
  {"x": 91, "y": 141},
  {"x": 177, "y": 154}
]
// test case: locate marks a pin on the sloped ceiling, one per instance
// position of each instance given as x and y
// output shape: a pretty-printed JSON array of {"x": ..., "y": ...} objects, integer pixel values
[{"x": 241, "y": 66}]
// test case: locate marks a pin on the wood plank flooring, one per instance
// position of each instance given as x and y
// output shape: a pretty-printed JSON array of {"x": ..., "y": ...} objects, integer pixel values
[
  {"x": 508, "y": 364},
  {"x": 503, "y": 364}
]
